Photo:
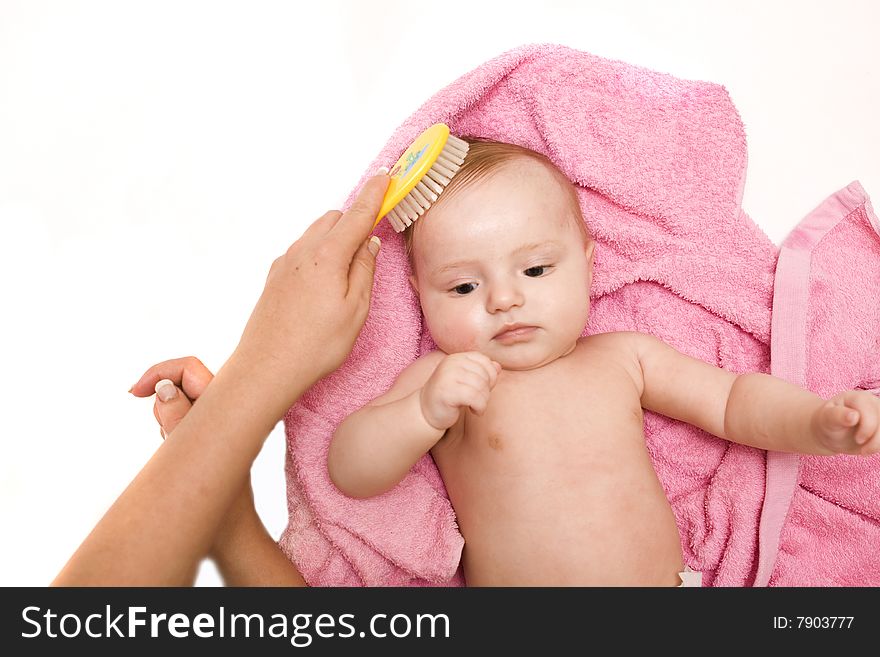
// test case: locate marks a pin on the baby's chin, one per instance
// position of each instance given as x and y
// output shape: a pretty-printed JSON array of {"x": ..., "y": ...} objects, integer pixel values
[
  {"x": 519, "y": 364},
  {"x": 514, "y": 358},
  {"x": 519, "y": 358}
]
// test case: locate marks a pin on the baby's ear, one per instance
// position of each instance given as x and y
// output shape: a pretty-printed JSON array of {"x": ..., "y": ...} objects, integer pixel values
[
  {"x": 414, "y": 284},
  {"x": 588, "y": 251}
]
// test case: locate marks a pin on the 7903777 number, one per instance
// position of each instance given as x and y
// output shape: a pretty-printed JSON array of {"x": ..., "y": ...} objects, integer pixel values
[{"x": 824, "y": 622}]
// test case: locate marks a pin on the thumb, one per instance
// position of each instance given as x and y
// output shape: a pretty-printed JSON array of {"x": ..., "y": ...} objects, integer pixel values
[
  {"x": 363, "y": 266},
  {"x": 170, "y": 407}
]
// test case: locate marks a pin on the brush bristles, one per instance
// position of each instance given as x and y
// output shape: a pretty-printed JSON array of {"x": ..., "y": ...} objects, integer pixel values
[{"x": 428, "y": 189}]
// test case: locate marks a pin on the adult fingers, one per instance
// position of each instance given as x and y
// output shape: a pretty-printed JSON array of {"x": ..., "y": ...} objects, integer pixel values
[
  {"x": 322, "y": 225},
  {"x": 363, "y": 267},
  {"x": 356, "y": 223},
  {"x": 188, "y": 373},
  {"x": 170, "y": 407}
]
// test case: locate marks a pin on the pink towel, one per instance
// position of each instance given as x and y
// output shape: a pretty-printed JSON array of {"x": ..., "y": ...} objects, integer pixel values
[
  {"x": 826, "y": 316},
  {"x": 660, "y": 165}
]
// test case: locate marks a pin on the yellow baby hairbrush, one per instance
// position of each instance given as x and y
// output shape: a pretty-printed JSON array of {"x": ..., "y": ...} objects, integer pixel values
[{"x": 420, "y": 175}]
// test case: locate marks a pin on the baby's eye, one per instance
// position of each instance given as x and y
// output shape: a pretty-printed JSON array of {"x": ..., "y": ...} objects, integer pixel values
[
  {"x": 464, "y": 288},
  {"x": 538, "y": 270}
]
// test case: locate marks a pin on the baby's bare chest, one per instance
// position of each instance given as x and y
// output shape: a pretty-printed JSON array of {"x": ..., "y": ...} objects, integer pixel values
[{"x": 576, "y": 414}]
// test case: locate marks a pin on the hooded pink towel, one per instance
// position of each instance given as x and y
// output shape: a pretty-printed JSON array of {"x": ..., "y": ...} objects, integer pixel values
[{"x": 659, "y": 164}]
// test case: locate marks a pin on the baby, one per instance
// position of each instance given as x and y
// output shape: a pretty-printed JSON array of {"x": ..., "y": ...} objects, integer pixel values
[{"x": 537, "y": 431}]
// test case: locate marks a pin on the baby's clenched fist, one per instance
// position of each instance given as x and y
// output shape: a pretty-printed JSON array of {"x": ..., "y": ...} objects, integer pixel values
[
  {"x": 849, "y": 423},
  {"x": 462, "y": 380}
]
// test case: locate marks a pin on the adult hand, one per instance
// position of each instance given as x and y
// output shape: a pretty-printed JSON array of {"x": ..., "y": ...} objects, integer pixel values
[
  {"x": 178, "y": 383},
  {"x": 316, "y": 297},
  {"x": 187, "y": 378},
  {"x": 242, "y": 549},
  {"x": 314, "y": 303}
]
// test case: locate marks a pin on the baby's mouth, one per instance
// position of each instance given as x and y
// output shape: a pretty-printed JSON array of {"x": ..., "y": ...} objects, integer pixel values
[{"x": 515, "y": 333}]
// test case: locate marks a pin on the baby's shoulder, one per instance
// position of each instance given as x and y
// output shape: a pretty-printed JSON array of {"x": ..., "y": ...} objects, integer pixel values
[
  {"x": 613, "y": 342},
  {"x": 615, "y": 350}
]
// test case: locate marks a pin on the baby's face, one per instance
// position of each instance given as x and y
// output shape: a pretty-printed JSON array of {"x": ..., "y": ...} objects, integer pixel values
[{"x": 501, "y": 268}]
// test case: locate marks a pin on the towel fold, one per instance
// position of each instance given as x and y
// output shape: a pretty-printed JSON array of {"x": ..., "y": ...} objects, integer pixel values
[{"x": 659, "y": 164}]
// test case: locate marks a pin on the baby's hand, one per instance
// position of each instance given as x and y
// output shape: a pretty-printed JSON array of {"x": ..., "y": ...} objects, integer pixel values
[
  {"x": 460, "y": 380},
  {"x": 849, "y": 423}
]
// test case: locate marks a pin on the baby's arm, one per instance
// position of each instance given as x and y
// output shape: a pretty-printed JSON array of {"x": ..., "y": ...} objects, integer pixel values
[
  {"x": 374, "y": 447},
  {"x": 755, "y": 409}
]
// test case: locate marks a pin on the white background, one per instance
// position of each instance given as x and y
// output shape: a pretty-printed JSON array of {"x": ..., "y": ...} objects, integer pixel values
[{"x": 155, "y": 157}]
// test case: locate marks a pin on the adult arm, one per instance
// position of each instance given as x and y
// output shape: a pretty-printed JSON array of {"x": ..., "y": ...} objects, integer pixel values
[
  {"x": 243, "y": 550},
  {"x": 314, "y": 303}
]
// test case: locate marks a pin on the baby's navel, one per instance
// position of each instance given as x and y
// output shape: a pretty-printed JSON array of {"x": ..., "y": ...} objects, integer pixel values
[{"x": 495, "y": 441}]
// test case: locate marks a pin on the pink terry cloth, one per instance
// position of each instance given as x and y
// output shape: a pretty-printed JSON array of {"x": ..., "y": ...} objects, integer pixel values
[
  {"x": 659, "y": 164},
  {"x": 825, "y": 337}
]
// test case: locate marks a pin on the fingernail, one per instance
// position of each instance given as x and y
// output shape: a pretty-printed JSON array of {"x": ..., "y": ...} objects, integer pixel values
[
  {"x": 381, "y": 171},
  {"x": 374, "y": 244},
  {"x": 166, "y": 390},
  {"x": 132, "y": 387}
]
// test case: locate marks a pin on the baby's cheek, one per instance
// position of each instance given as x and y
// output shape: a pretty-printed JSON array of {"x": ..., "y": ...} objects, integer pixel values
[
  {"x": 459, "y": 332},
  {"x": 460, "y": 337},
  {"x": 573, "y": 309}
]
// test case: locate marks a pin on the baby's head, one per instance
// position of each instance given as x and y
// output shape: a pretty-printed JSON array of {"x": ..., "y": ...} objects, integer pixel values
[{"x": 502, "y": 261}]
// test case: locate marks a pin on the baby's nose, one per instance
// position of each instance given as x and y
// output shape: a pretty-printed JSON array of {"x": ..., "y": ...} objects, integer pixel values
[{"x": 503, "y": 297}]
